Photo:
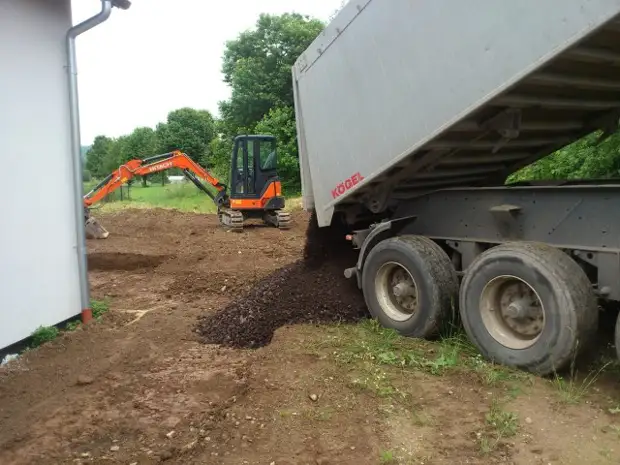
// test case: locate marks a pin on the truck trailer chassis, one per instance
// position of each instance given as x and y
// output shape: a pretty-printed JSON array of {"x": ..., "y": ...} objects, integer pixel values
[{"x": 564, "y": 227}]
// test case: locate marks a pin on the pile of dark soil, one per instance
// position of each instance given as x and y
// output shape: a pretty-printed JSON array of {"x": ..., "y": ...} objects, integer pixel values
[{"x": 312, "y": 290}]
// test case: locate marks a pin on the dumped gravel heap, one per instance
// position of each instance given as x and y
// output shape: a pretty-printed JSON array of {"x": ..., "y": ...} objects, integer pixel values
[{"x": 313, "y": 290}]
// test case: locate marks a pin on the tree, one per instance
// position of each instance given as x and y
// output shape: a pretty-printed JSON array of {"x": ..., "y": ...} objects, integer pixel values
[
  {"x": 280, "y": 122},
  {"x": 141, "y": 143},
  {"x": 220, "y": 157},
  {"x": 257, "y": 66},
  {"x": 96, "y": 156},
  {"x": 188, "y": 130},
  {"x": 117, "y": 154},
  {"x": 586, "y": 158}
]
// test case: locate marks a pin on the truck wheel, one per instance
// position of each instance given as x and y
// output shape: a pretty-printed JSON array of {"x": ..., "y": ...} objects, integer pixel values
[
  {"x": 409, "y": 285},
  {"x": 528, "y": 305}
]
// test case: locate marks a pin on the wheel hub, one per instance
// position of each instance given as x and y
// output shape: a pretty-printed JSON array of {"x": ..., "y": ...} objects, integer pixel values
[
  {"x": 403, "y": 289},
  {"x": 512, "y": 312},
  {"x": 396, "y": 291}
]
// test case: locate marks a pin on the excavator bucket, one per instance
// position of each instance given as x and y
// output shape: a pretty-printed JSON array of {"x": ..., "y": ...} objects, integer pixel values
[{"x": 94, "y": 230}]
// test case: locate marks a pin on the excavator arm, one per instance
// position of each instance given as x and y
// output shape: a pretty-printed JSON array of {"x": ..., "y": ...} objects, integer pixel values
[{"x": 192, "y": 170}]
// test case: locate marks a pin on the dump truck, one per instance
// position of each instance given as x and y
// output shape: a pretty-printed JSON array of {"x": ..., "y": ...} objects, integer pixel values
[{"x": 410, "y": 117}]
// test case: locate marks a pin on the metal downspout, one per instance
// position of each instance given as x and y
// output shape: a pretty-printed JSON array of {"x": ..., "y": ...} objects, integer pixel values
[{"x": 76, "y": 149}]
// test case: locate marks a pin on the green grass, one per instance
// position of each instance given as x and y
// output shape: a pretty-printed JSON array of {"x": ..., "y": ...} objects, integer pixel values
[
  {"x": 505, "y": 423},
  {"x": 99, "y": 307},
  {"x": 502, "y": 424},
  {"x": 387, "y": 457},
  {"x": 73, "y": 325},
  {"x": 184, "y": 197},
  {"x": 573, "y": 390},
  {"x": 43, "y": 334},
  {"x": 87, "y": 186},
  {"x": 378, "y": 382},
  {"x": 370, "y": 342}
]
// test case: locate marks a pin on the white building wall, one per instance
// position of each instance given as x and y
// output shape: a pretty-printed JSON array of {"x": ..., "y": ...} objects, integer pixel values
[{"x": 39, "y": 282}]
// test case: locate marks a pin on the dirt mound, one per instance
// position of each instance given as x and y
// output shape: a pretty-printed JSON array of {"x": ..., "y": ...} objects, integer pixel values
[
  {"x": 123, "y": 261},
  {"x": 313, "y": 290}
]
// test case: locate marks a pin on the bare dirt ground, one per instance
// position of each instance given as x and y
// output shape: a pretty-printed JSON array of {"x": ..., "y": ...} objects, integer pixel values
[{"x": 142, "y": 386}]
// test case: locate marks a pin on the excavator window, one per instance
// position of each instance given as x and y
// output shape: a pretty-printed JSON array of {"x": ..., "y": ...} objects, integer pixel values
[
  {"x": 237, "y": 170},
  {"x": 254, "y": 165},
  {"x": 267, "y": 155},
  {"x": 251, "y": 169}
]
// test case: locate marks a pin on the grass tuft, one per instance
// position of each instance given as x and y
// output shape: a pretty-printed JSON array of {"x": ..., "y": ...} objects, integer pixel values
[
  {"x": 99, "y": 308},
  {"x": 370, "y": 342},
  {"x": 387, "y": 457},
  {"x": 73, "y": 325},
  {"x": 506, "y": 424},
  {"x": 501, "y": 424},
  {"x": 573, "y": 390},
  {"x": 43, "y": 334}
]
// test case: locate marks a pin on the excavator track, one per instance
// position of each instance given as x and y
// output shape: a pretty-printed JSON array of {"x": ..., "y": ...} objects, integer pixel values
[
  {"x": 278, "y": 218},
  {"x": 231, "y": 219},
  {"x": 283, "y": 219}
]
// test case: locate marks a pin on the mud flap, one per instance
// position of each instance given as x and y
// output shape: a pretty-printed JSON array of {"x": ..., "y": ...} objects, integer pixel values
[{"x": 94, "y": 230}]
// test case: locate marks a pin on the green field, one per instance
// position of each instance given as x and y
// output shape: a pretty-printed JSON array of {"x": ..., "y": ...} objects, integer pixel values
[{"x": 183, "y": 197}]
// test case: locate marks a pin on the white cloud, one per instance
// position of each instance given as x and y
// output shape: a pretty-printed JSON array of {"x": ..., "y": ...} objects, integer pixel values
[{"x": 163, "y": 54}]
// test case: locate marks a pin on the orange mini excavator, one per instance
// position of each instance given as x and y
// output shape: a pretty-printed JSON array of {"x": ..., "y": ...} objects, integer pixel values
[{"x": 256, "y": 189}]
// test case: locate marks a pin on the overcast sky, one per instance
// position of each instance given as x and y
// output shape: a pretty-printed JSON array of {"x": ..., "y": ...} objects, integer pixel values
[{"x": 161, "y": 55}]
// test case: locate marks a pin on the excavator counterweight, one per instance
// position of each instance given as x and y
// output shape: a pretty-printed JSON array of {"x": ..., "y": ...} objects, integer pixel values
[{"x": 256, "y": 189}]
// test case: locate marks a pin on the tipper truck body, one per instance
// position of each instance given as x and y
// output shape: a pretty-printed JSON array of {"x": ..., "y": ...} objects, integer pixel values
[{"x": 411, "y": 114}]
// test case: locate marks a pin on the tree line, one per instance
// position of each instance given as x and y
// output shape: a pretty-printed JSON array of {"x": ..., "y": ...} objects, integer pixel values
[
  {"x": 596, "y": 156},
  {"x": 257, "y": 67}
]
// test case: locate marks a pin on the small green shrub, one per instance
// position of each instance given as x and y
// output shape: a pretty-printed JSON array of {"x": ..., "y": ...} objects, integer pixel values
[
  {"x": 43, "y": 334},
  {"x": 73, "y": 325},
  {"x": 387, "y": 457},
  {"x": 99, "y": 308}
]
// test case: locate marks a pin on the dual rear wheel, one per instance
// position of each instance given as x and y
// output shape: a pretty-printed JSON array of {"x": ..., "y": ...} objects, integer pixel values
[{"x": 525, "y": 305}]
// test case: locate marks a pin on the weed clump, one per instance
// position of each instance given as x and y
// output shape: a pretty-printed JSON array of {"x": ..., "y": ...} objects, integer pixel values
[
  {"x": 99, "y": 308},
  {"x": 43, "y": 334}
]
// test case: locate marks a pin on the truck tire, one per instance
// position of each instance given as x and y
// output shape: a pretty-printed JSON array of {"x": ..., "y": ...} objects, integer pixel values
[
  {"x": 410, "y": 285},
  {"x": 529, "y": 306}
]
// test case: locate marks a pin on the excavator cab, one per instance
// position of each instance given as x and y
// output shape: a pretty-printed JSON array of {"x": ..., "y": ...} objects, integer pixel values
[
  {"x": 256, "y": 190},
  {"x": 254, "y": 167}
]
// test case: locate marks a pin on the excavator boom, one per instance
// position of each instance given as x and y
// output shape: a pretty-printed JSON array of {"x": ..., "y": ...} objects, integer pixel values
[
  {"x": 155, "y": 164},
  {"x": 192, "y": 170}
]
